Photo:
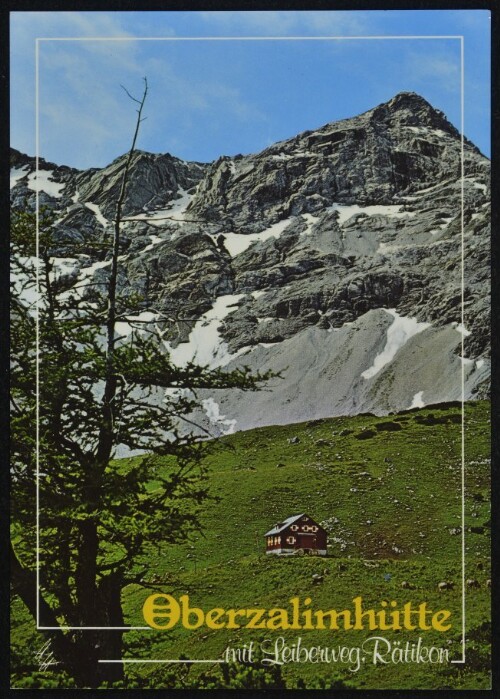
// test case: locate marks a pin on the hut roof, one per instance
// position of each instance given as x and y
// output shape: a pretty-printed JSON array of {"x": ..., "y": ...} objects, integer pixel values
[{"x": 283, "y": 525}]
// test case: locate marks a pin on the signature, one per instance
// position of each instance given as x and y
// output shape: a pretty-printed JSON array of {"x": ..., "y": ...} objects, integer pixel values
[{"x": 45, "y": 657}]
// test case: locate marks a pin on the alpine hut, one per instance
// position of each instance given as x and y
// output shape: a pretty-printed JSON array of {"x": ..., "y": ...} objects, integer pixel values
[{"x": 298, "y": 534}]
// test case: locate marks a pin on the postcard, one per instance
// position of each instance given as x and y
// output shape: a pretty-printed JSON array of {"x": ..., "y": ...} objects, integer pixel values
[{"x": 251, "y": 350}]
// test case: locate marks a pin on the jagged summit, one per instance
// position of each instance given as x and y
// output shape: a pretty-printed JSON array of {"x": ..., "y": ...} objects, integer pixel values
[
  {"x": 408, "y": 97},
  {"x": 406, "y": 110},
  {"x": 411, "y": 109},
  {"x": 407, "y": 100}
]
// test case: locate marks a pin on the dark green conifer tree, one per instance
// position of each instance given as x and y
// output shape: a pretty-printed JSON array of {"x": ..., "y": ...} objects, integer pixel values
[{"x": 79, "y": 392}]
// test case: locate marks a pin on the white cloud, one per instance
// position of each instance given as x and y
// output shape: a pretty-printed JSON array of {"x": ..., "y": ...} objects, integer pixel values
[
  {"x": 438, "y": 67},
  {"x": 27, "y": 25},
  {"x": 84, "y": 112},
  {"x": 287, "y": 23},
  {"x": 74, "y": 88}
]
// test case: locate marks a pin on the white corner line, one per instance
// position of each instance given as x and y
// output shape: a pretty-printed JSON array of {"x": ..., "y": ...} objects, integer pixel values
[
  {"x": 37, "y": 380},
  {"x": 462, "y": 303},
  {"x": 64, "y": 627},
  {"x": 161, "y": 660},
  {"x": 37, "y": 334},
  {"x": 394, "y": 37}
]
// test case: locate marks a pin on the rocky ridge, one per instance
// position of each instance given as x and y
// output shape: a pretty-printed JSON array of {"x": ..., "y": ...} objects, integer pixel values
[{"x": 334, "y": 256}]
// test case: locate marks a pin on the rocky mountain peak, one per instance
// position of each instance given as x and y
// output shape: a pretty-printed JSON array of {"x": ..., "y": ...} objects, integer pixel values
[
  {"x": 408, "y": 109},
  {"x": 398, "y": 147}
]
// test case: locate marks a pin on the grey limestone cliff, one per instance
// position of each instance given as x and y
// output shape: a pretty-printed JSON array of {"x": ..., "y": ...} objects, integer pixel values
[{"x": 354, "y": 258}]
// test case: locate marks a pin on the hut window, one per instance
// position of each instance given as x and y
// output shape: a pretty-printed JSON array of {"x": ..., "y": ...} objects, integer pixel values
[
  {"x": 290, "y": 540},
  {"x": 314, "y": 529},
  {"x": 294, "y": 527}
]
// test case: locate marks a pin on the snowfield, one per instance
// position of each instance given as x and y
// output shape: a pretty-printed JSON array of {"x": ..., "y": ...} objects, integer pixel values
[
  {"x": 16, "y": 174},
  {"x": 212, "y": 411},
  {"x": 398, "y": 334},
  {"x": 348, "y": 211},
  {"x": 41, "y": 182},
  {"x": 205, "y": 345},
  {"x": 236, "y": 243},
  {"x": 97, "y": 212}
]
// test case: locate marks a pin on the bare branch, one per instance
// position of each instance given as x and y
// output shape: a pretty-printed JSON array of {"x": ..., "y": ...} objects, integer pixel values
[{"x": 131, "y": 97}]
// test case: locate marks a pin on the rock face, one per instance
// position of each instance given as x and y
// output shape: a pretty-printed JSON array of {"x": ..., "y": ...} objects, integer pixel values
[
  {"x": 334, "y": 257},
  {"x": 155, "y": 181},
  {"x": 368, "y": 159}
]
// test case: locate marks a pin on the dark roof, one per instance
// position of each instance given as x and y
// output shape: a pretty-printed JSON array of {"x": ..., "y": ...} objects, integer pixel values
[{"x": 283, "y": 525}]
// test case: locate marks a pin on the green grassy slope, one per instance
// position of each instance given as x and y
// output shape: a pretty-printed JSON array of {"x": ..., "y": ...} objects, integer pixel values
[{"x": 390, "y": 492}]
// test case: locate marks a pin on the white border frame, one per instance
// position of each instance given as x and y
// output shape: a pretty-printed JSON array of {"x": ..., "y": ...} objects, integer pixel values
[{"x": 38, "y": 41}]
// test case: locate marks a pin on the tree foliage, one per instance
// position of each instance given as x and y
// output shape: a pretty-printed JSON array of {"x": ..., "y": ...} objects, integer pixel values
[{"x": 81, "y": 392}]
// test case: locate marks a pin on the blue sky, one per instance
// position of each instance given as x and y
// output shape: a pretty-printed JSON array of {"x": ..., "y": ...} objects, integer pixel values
[{"x": 223, "y": 96}]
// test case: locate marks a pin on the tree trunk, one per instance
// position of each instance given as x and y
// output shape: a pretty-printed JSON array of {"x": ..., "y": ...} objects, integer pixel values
[
  {"x": 24, "y": 584},
  {"x": 78, "y": 652}
]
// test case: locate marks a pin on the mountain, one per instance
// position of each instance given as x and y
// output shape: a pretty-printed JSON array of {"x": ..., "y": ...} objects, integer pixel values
[{"x": 334, "y": 257}]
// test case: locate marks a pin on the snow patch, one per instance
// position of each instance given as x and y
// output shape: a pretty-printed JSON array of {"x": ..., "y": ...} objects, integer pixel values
[
  {"x": 481, "y": 186},
  {"x": 155, "y": 240},
  {"x": 212, "y": 411},
  {"x": 63, "y": 267},
  {"x": 476, "y": 184},
  {"x": 174, "y": 211},
  {"x": 310, "y": 220},
  {"x": 97, "y": 213},
  {"x": 83, "y": 278},
  {"x": 303, "y": 154},
  {"x": 417, "y": 401},
  {"x": 89, "y": 271},
  {"x": 24, "y": 283},
  {"x": 398, "y": 334},
  {"x": 16, "y": 174},
  {"x": 479, "y": 363},
  {"x": 446, "y": 223},
  {"x": 236, "y": 243},
  {"x": 178, "y": 208},
  {"x": 205, "y": 345},
  {"x": 40, "y": 182},
  {"x": 126, "y": 328},
  {"x": 461, "y": 329},
  {"x": 425, "y": 131},
  {"x": 385, "y": 248},
  {"x": 281, "y": 156},
  {"x": 347, "y": 211}
]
